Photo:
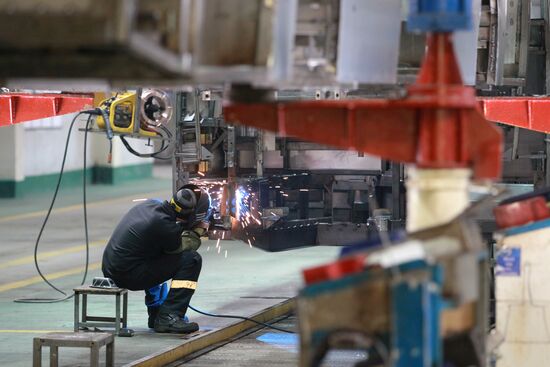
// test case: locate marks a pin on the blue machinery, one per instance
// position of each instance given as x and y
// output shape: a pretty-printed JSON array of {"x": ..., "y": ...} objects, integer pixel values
[
  {"x": 439, "y": 15},
  {"x": 417, "y": 303}
]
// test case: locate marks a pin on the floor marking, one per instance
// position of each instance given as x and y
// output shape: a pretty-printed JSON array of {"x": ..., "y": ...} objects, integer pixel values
[
  {"x": 33, "y": 331},
  {"x": 74, "y": 207},
  {"x": 49, "y": 254},
  {"x": 51, "y": 276}
]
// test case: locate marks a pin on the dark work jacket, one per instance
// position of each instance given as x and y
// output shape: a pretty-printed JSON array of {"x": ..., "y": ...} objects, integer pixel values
[{"x": 147, "y": 231}]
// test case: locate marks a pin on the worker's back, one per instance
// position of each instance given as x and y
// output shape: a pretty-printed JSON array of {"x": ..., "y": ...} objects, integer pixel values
[{"x": 147, "y": 231}]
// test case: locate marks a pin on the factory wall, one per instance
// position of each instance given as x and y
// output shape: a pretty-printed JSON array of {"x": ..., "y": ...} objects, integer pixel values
[
  {"x": 124, "y": 166},
  {"x": 32, "y": 153},
  {"x": 11, "y": 151}
]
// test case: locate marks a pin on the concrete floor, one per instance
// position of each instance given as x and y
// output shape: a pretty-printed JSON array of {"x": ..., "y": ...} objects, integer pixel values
[{"x": 245, "y": 282}]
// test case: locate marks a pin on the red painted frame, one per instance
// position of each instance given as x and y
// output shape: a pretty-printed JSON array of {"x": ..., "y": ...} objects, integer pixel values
[
  {"x": 20, "y": 107},
  {"x": 531, "y": 113},
  {"x": 438, "y": 125}
]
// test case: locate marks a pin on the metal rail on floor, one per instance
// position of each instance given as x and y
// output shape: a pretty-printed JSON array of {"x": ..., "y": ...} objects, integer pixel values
[{"x": 210, "y": 338}]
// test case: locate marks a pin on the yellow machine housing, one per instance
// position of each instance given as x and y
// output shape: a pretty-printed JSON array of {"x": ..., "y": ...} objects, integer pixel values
[{"x": 123, "y": 114}]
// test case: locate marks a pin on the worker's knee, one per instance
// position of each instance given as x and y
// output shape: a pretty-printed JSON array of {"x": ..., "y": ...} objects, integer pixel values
[
  {"x": 192, "y": 259},
  {"x": 198, "y": 260}
]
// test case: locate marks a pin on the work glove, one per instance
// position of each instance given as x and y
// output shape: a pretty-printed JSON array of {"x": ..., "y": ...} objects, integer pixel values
[{"x": 190, "y": 240}]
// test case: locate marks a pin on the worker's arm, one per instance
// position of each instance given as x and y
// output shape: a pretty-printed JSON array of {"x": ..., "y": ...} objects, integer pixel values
[{"x": 190, "y": 240}]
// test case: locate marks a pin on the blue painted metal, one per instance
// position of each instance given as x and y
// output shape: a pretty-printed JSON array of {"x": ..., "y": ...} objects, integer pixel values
[
  {"x": 415, "y": 313},
  {"x": 439, "y": 15},
  {"x": 535, "y": 226},
  {"x": 415, "y": 322},
  {"x": 438, "y": 304}
]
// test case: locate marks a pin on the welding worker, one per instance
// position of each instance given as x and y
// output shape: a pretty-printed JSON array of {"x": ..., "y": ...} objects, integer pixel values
[{"x": 157, "y": 241}]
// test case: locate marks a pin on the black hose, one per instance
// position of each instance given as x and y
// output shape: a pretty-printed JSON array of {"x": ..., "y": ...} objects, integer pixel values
[
  {"x": 144, "y": 155},
  {"x": 84, "y": 198},
  {"x": 108, "y": 129},
  {"x": 242, "y": 318},
  {"x": 37, "y": 242}
]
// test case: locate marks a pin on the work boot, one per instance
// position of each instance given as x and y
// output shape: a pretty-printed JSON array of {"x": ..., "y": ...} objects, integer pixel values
[
  {"x": 174, "y": 323},
  {"x": 153, "y": 313}
]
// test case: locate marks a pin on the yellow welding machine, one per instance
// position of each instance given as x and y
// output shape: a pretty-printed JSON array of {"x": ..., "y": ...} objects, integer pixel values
[{"x": 122, "y": 111}]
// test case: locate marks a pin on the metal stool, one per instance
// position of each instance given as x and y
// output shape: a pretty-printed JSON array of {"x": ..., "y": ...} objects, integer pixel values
[
  {"x": 100, "y": 321},
  {"x": 94, "y": 341}
]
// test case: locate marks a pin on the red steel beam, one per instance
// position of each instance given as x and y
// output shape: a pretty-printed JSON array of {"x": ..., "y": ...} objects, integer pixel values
[
  {"x": 20, "y": 107},
  {"x": 438, "y": 125},
  {"x": 531, "y": 113}
]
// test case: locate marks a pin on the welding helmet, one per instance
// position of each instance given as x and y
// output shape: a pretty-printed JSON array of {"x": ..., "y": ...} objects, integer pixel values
[{"x": 192, "y": 203}]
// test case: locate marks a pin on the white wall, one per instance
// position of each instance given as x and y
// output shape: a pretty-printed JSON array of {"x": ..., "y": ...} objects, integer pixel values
[
  {"x": 43, "y": 143},
  {"x": 121, "y": 156},
  {"x": 44, "y": 146},
  {"x": 12, "y": 153}
]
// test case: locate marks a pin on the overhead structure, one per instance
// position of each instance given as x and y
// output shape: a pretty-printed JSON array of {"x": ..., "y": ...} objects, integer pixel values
[
  {"x": 532, "y": 113},
  {"x": 20, "y": 107},
  {"x": 437, "y": 125},
  {"x": 413, "y": 300}
]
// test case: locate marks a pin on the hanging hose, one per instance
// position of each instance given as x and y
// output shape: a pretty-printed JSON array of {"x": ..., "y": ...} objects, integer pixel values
[{"x": 52, "y": 203}]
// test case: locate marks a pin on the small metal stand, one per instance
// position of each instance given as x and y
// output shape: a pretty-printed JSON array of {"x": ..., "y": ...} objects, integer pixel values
[
  {"x": 88, "y": 321},
  {"x": 94, "y": 341}
]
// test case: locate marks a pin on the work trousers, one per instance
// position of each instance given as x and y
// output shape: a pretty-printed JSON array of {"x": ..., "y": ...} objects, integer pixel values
[{"x": 183, "y": 268}]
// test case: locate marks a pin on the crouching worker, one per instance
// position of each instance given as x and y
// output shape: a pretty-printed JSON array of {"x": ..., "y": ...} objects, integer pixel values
[{"x": 158, "y": 241}]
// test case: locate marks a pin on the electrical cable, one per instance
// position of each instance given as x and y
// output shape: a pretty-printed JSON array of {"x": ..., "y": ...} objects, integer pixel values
[
  {"x": 163, "y": 147},
  {"x": 108, "y": 130},
  {"x": 84, "y": 198},
  {"x": 144, "y": 155},
  {"x": 241, "y": 318},
  {"x": 56, "y": 191}
]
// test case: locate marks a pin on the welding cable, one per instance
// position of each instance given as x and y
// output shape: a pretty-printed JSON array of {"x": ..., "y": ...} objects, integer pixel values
[
  {"x": 166, "y": 136},
  {"x": 163, "y": 147},
  {"x": 108, "y": 129},
  {"x": 242, "y": 318},
  {"x": 169, "y": 138},
  {"x": 84, "y": 198},
  {"x": 58, "y": 185}
]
